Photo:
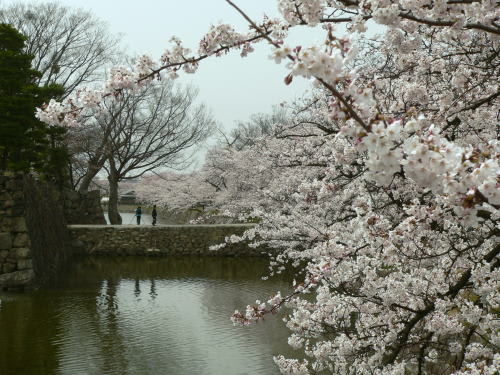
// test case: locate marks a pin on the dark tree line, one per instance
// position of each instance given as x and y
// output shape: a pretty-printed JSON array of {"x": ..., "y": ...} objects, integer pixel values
[{"x": 25, "y": 143}]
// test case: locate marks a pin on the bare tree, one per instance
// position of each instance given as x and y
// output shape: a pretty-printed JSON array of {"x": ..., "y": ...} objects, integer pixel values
[
  {"x": 70, "y": 46},
  {"x": 90, "y": 144},
  {"x": 154, "y": 128},
  {"x": 246, "y": 133}
]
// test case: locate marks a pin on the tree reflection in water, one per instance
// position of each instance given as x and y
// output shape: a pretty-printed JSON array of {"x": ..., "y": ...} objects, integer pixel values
[{"x": 143, "y": 316}]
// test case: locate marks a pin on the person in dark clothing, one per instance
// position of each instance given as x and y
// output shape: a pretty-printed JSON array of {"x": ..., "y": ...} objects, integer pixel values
[
  {"x": 154, "y": 214},
  {"x": 138, "y": 213}
]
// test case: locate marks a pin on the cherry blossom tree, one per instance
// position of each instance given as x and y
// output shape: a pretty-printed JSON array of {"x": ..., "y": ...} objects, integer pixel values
[
  {"x": 387, "y": 201},
  {"x": 175, "y": 190},
  {"x": 227, "y": 174}
]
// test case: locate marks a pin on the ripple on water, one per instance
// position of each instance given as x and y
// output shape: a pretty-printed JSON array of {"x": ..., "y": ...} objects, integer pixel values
[{"x": 158, "y": 325}]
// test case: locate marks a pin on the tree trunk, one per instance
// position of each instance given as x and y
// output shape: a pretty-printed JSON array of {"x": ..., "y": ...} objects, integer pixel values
[
  {"x": 86, "y": 180},
  {"x": 93, "y": 168},
  {"x": 114, "y": 216}
]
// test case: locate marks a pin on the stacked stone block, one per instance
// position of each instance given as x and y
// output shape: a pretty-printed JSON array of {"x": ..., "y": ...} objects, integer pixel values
[
  {"x": 183, "y": 240},
  {"x": 82, "y": 208},
  {"x": 16, "y": 262}
]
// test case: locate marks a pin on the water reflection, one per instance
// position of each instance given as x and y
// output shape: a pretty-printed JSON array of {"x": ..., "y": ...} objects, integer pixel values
[{"x": 142, "y": 316}]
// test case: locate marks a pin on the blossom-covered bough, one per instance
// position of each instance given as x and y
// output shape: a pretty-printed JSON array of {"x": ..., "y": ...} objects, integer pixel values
[{"x": 389, "y": 203}]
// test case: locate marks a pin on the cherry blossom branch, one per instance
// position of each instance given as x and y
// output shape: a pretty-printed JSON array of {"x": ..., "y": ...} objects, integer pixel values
[
  {"x": 452, "y": 293},
  {"x": 335, "y": 93},
  {"x": 407, "y": 15},
  {"x": 476, "y": 26}
]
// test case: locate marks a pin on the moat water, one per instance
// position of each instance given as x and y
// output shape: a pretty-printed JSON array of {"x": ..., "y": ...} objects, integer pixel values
[{"x": 168, "y": 316}]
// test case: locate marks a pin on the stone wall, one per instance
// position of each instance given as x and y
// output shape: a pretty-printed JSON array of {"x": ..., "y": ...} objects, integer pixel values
[
  {"x": 180, "y": 217},
  {"x": 47, "y": 229},
  {"x": 34, "y": 239},
  {"x": 159, "y": 240},
  {"x": 82, "y": 208},
  {"x": 16, "y": 261}
]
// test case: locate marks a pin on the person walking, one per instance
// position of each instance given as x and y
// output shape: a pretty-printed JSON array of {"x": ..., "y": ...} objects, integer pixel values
[
  {"x": 138, "y": 213},
  {"x": 154, "y": 214}
]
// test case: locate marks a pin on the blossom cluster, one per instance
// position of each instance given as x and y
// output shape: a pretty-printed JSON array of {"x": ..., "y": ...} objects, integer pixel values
[
  {"x": 297, "y": 12},
  {"x": 220, "y": 36}
]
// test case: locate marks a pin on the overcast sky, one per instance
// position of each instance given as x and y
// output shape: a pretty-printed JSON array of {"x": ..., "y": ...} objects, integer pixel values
[{"x": 233, "y": 87}]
